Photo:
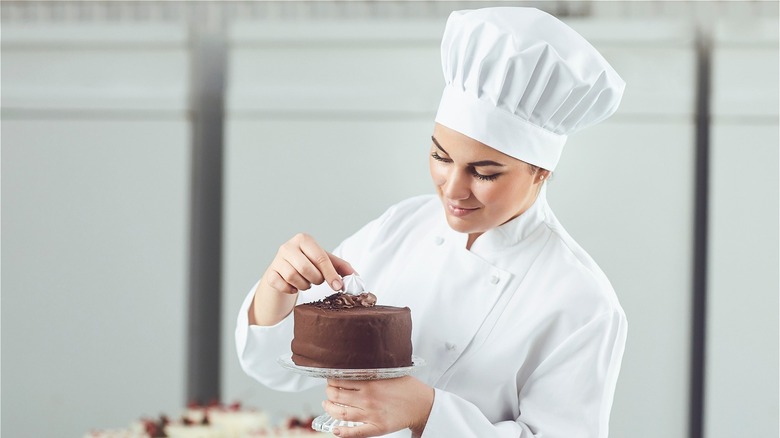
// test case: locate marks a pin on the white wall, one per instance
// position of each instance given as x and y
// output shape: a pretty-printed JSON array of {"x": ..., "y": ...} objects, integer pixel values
[
  {"x": 612, "y": 192},
  {"x": 95, "y": 173},
  {"x": 742, "y": 302}
]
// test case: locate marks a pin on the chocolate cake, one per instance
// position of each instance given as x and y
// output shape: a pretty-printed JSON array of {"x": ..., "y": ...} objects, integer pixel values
[{"x": 351, "y": 332}]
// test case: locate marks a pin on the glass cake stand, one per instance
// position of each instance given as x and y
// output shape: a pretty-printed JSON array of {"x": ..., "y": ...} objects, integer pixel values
[{"x": 326, "y": 423}]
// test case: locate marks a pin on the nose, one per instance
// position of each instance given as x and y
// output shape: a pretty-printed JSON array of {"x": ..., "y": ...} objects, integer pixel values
[{"x": 457, "y": 186}]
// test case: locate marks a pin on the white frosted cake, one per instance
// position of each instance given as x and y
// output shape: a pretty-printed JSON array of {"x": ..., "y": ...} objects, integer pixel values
[{"x": 213, "y": 421}]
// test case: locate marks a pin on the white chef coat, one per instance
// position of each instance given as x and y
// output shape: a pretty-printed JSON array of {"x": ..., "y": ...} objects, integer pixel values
[{"x": 523, "y": 334}]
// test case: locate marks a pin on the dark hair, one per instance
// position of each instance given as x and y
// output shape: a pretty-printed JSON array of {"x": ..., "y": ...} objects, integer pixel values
[{"x": 533, "y": 168}]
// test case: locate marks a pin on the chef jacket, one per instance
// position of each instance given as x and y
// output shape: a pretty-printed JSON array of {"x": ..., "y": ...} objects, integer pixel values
[{"x": 522, "y": 335}]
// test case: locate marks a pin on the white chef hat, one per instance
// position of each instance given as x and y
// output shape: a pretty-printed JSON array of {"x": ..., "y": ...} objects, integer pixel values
[{"x": 520, "y": 81}]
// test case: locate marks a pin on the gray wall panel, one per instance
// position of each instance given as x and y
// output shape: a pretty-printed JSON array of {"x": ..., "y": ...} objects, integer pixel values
[
  {"x": 624, "y": 191},
  {"x": 94, "y": 273},
  {"x": 95, "y": 192},
  {"x": 744, "y": 262}
]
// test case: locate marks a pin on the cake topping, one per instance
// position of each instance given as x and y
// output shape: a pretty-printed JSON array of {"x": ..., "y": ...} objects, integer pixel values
[
  {"x": 340, "y": 300},
  {"x": 156, "y": 428},
  {"x": 353, "y": 284}
]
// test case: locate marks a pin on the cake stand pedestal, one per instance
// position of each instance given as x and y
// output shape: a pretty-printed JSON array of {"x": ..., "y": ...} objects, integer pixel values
[{"x": 326, "y": 423}]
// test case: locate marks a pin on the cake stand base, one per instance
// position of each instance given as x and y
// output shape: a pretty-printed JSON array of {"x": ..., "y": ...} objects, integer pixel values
[{"x": 326, "y": 423}]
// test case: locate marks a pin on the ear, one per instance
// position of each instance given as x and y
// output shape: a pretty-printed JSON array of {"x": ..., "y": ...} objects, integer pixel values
[{"x": 541, "y": 175}]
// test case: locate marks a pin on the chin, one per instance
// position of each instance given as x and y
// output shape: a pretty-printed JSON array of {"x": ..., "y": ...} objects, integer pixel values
[{"x": 460, "y": 225}]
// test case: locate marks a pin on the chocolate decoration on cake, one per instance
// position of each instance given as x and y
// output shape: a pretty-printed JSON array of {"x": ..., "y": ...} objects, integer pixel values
[
  {"x": 341, "y": 300},
  {"x": 351, "y": 332}
]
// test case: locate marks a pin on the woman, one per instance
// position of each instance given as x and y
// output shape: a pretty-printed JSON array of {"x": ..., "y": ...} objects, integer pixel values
[{"x": 521, "y": 331}]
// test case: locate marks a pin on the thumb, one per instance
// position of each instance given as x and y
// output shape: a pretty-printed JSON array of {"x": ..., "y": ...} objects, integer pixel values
[{"x": 342, "y": 268}]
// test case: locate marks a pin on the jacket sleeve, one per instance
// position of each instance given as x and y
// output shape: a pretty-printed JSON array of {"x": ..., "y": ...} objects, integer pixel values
[
  {"x": 568, "y": 395},
  {"x": 259, "y": 347}
]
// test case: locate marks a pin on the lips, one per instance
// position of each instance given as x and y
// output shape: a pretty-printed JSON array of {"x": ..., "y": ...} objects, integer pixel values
[{"x": 459, "y": 211}]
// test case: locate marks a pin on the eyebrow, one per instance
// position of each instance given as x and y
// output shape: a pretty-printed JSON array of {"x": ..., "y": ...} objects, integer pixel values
[{"x": 473, "y": 164}]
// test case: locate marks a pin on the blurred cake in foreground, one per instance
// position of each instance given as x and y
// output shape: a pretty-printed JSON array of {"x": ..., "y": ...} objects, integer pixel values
[{"x": 213, "y": 421}]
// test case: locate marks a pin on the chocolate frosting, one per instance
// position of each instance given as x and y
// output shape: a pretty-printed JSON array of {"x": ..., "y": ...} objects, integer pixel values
[
  {"x": 331, "y": 334},
  {"x": 340, "y": 300}
]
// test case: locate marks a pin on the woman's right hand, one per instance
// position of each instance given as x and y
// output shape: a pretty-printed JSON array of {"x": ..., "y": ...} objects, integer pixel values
[{"x": 299, "y": 263}]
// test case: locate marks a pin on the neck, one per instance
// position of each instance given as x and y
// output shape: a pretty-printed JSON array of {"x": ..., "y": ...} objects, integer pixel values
[{"x": 472, "y": 238}]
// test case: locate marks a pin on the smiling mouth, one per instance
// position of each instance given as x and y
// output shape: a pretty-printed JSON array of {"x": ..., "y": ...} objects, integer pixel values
[{"x": 460, "y": 211}]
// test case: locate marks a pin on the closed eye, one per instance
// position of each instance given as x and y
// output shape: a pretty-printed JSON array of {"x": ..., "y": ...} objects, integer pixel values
[
  {"x": 482, "y": 177},
  {"x": 472, "y": 170},
  {"x": 438, "y": 157}
]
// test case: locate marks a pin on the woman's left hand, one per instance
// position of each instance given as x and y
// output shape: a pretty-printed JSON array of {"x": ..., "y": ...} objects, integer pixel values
[{"x": 384, "y": 406}]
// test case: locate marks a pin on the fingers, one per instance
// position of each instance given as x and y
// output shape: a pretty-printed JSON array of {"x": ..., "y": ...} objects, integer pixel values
[
  {"x": 276, "y": 281},
  {"x": 347, "y": 384},
  {"x": 304, "y": 269},
  {"x": 363, "y": 431},
  {"x": 341, "y": 265},
  {"x": 342, "y": 396},
  {"x": 343, "y": 402},
  {"x": 323, "y": 263},
  {"x": 301, "y": 262},
  {"x": 353, "y": 401},
  {"x": 343, "y": 412}
]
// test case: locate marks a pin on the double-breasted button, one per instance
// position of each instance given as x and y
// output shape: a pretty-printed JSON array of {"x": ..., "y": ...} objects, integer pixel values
[
  {"x": 438, "y": 240},
  {"x": 449, "y": 346}
]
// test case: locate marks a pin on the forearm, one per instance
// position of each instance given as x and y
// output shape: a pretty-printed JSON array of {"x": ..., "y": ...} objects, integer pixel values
[
  {"x": 270, "y": 306},
  {"x": 259, "y": 347},
  {"x": 424, "y": 404}
]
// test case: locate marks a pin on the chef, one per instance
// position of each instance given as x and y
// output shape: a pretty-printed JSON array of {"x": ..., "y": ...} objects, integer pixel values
[{"x": 522, "y": 332}]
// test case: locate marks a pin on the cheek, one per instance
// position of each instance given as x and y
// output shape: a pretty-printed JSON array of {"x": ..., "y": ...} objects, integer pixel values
[
  {"x": 498, "y": 194},
  {"x": 486, "y": 193},
  {"x": 438, "y": 176}
]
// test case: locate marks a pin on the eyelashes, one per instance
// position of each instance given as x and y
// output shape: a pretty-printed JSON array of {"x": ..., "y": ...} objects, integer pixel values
[
  {"x": 472, "y": 171},
  {"x": 438, "y": 157},
  {"x": 482, "y": 177}
]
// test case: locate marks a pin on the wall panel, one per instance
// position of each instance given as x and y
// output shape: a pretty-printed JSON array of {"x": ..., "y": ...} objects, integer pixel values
[
  {"x": 743, "y": 283},
  {"x": 625, "y": 190},
  {"x": 95, "y": 176}
]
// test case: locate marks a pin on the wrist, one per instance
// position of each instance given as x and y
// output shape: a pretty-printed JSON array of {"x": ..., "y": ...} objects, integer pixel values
[
  {"x": 424, "y": 408},
  {"x": 270, "y": 306}
]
